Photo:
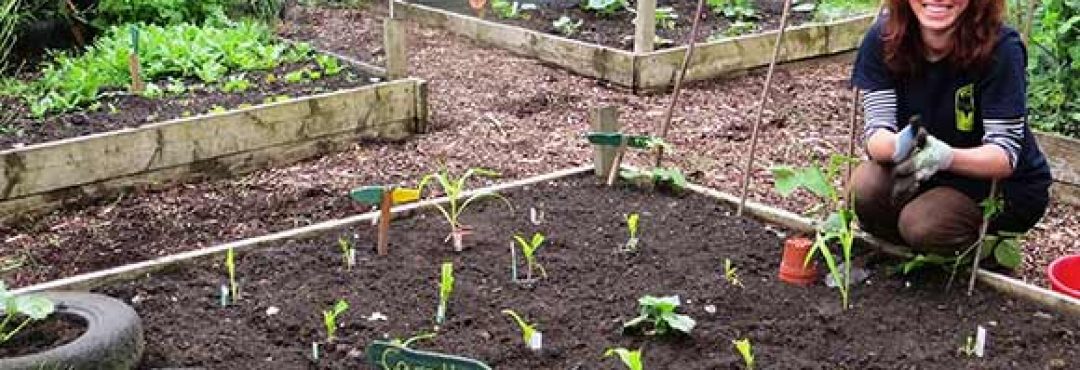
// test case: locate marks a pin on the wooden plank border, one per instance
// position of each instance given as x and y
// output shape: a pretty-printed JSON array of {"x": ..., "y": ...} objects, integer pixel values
[
  {"x": 1003, "y": 284},
  {"x": 43, "y": 176},
  {"x": 1064, "y": 156},
  {"x": 646, "y": 70}
]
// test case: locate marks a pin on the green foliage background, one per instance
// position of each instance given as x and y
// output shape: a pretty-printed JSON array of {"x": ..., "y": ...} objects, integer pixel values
[{"x": 1053, "y": 65}]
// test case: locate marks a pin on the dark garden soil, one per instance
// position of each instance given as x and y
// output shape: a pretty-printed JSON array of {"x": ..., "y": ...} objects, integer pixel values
[
  {"x": 617, "y": 30},
  {"x": 120, "y": 109},
  {"x": 38, "y": 336},
  {"x": 895, "y": 323}
]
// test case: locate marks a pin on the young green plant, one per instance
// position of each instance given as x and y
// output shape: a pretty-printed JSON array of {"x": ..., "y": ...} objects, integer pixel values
[
  {"x": 28, "y": 307},
  {"x": 454, "y": 189},
  {"x": 632, "y": 228},
  {"x": 660, "y": 312},
  {"x": 408, "y": 342},
  {"x": 631, "y": 359},
  {"x": 230, "y": 268},
  {"x": 330, "y": 319},
  {"x": 528, "y": 249},
  {"x": 666, "y": 17},
  {"x": 446, "y": 287},
  {"x": 837, "y": 226},
  {"x": 746, "y": 350},
  {"x": 509, "y": 9},
  {"x": 731, "y": 274},
  {"x": 348, "y": 253},
  {"x": 567, "y": 26},
  {"x": 533, "y": 338}
]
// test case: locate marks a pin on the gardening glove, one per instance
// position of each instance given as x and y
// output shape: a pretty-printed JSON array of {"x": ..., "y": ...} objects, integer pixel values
[
  {"x": 905, "y": 183},
  {"x": 905, "y": 143},
  {"x": 931, "y": 157}
]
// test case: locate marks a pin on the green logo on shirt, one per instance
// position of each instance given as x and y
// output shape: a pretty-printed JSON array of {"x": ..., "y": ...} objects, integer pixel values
[{"x": 965, "y": 108}]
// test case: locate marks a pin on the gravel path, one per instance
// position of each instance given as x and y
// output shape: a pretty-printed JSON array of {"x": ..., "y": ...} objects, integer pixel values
[{"x": 489, "y": 108}]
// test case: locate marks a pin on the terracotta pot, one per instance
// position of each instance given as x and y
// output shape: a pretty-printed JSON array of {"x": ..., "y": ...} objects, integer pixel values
[{"x": 792, "y": 269}]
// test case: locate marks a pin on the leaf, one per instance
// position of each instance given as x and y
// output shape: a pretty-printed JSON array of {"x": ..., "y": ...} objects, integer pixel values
[
  {"x": 340, "y": 307},
  {"x": 678, "y": 322},
  {"x": 633, "y": 323},
  {"x": 1008, "y": 254},
  {"x": 35, "y": 307},
  {"x": 784, "y": 180},
  {"x": 537, "y": 239},
  {"x": 745, "y": 350},
  {"x": 632, "y": 359},
  {"x": 526, "y": 329}
]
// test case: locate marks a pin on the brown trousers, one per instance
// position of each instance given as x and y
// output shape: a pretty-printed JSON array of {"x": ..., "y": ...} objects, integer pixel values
[{"x": 939, "y": 220}]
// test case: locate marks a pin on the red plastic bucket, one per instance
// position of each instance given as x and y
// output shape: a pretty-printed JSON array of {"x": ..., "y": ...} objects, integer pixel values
[{"x": 1064, "y": 275}]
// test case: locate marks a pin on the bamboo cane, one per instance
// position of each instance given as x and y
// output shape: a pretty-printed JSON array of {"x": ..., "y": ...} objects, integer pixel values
[{"x": 666, "y": 123}]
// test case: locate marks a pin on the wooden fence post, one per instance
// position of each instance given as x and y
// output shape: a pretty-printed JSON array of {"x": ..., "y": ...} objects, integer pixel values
[
  {"x": 645, "y": 28},
  {"x": 394, "y": 44},
  {"x": 604, "y": 119}
]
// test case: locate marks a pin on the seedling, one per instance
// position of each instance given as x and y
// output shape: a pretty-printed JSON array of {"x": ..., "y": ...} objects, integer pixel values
[
  {"x": 455, "y": 191},
  {"x": 605, "y": 7},
  {"x": 660, "y": 312},
  {"x": 508, "y": 9},
  {"x": 666, "y": 17},
  {"x": 532, "y": 337},
  {"x": 528, "y": 249},
  {"x": 330, "y": 319},
  {"x": 567, "y": 26},
  {"x": 837, "y": 225},
  {"x": 968, "y": 349},
  {"x": 746, "y": 350},
  {"x": 731, "y": 274},
  {"x": 230, "y": 267},
  {"x": 32, "y": 307},
  {"x": 235, "y": 84},
  {"x": 632, "y": 228},
  {"x": 328, "y": 64},
  {"x": 348, "y": 254},
  {"x": 632, "y": 359},
  {"x": 446, "y": 287},
  {"x": 406, "y": 343}
]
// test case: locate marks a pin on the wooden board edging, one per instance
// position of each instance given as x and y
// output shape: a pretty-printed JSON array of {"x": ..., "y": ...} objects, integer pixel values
[
  {"x": 1064, "y": 155},
  {"x": 95, "y": 279},
  {"x": 38, "y": 176}
]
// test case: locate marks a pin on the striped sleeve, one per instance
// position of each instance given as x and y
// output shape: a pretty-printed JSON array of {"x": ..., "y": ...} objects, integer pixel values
[
  {"x": 1005, "y": 133},
  {"x": 879, "y": 110}
]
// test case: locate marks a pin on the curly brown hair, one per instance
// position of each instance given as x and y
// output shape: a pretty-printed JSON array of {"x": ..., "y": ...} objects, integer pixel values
[{"x": 976, "y": 34}]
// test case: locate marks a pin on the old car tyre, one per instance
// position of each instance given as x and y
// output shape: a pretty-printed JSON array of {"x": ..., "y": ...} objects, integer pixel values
[{"x": 113, "y": 338}]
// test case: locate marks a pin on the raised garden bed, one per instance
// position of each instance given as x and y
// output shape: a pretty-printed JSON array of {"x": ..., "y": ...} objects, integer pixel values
[
  {"x": 289, "y": 113},
  {"x": 1064, "y": 156},
  {"x": 644, "y": 70},
  {"x": 591, "y": 290}
]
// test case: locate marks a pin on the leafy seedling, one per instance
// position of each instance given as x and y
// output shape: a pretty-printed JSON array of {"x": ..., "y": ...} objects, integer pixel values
[
  {"x": 31, "y": 307},
  {"x": 746, "y": 350},
  {"x": 660, "y": 313},
  {"x": 666, "y": 17},
  {"x": 454, "y": 189},
  {"x": 533, "y": 338},
  {"x": 446, "y": 287},
  {"x": 330, "y": 319},
  {"x": 731, "y": 274},
  {"x": 348, "y": 253},
  {"x": 567, "y": 26},
  {"x": 528, "y": 249},
  {"x": 631, "y": 359},
  {"x": 631, "y": 228},
  {"x": 230, "y": 268},
  {"x": 329, "y": 65},
  {"x": 236, "y": 84},
  {"x": 507, "y": 9}
]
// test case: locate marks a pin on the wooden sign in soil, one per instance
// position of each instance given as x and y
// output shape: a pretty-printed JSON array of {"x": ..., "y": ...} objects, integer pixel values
[{"x": 591, "y": 289}]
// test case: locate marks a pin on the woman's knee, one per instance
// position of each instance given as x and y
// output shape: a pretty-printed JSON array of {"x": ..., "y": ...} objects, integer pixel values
[{"x": 941, "y": 220}]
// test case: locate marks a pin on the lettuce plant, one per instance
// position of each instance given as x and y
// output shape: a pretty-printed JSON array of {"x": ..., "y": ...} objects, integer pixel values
[
  {"x": 446, "y": 287},
  {"x": 330, "y": 319},
  {"x": 632, "y": 359},
  {"x": 532, "y": 337},
  {"x": 28, "y": 307},
  {"x": 528, "y": 249},
  {"x": 454, "y": 188},
  {"x": 746, "y": 350},
  {"x": 660, "y": 313}
]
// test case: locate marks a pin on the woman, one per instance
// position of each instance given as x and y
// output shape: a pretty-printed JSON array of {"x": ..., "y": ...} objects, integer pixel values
[{"x": 953, "y": 67}]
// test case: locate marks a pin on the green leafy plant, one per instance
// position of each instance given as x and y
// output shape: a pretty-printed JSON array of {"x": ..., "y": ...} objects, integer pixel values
[
  {"x": 236, "y": 84},
  {"x": 348, "y": 254},
  {"x": 533, "y": 338},
  {"x": 736, "y": 10},
  {"x": 830, "y": 10},
  {"x": 295, "y": 76},
  {"x": 507, "y": 9},
  {"x": 9, "y": 21},
  {"x": 631, "y": 359},
  {"x": 29, "y": 308},
  {"x": 330, "y": 319},
  {"x": 605, "y": 7},
  {"x": 446, "y": 287},
  {"x": 736, "y": 28},
  {"x": 631, "y": 229},
  {"x": 567, "y": 26},
  {"x": 454, "y": 189},
  {"x": 329, "y": 65},
  {"x": 837, "y": 226},
  {"x": 731, "y": 274},
  {"x": 528, "y": 249},
  {"x": 660, "y": 313},
  {"x": 230, "y": 268},
  {"x": 666, "y": 17},
  {"x": 160, "y": 12},
  {"x": 746, "y": 350},
  {"x": 1054, "y": 67}
]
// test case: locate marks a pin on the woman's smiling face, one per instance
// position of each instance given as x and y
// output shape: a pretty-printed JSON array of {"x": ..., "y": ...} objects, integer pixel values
[{"x": 937, "y": 15}]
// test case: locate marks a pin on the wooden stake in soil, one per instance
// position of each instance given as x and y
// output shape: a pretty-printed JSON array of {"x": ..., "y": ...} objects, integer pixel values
[
  {"x": 384, "y": 221},
  {"x": 749, "y": 169},
  {"x": 394, "y": 44},
  {"x": 616, "y": 162},
  {"x": 666, "y": 124},
  {"x": 982, "y": 236},
  {"x": 604, "y": 119},
  {"x": 133, "y": 62},
  {"x": 645, "y": 26}
]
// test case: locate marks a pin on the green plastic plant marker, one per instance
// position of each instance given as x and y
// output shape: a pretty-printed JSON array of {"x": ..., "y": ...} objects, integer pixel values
[
  {"x": 384, "y": 355},
  {"x": 615, "y": 139},
  {"x": 368, "y": 194}
]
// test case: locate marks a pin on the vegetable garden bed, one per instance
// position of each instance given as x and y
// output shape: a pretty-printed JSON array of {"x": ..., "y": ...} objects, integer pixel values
[
  {"x": 1064, "y": 156},
  {"x": 591, "y": 289},
  {"x": 645, "y": 70},
  {"x": 183, "y": 128}
]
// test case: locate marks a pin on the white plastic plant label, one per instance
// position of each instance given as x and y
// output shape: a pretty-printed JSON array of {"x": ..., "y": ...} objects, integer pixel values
[
  {"x": 980, "y": 341},
  {"x": 536, "y": 341}
]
